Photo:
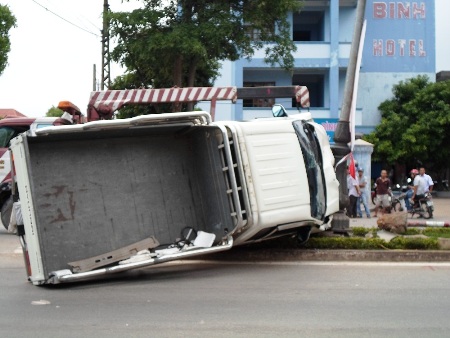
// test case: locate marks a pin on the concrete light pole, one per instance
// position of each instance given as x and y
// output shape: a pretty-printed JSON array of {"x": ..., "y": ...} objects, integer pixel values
[{"x": 342, "y": 134}]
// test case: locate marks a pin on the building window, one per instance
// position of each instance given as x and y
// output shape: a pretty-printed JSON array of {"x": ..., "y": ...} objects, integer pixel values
[
  {"x": 308, "y": 26},
  {"x": 255, "y": 34},
  {"x": 316, "y": 87},
  {"x": 258, "y": 102}
]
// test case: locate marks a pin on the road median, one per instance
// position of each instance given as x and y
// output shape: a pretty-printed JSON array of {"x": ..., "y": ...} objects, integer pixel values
[{"x": 271, "y": 254}]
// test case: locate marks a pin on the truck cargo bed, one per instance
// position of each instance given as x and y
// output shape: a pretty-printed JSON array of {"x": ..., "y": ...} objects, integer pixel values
[{"x": 97, "y": 191}]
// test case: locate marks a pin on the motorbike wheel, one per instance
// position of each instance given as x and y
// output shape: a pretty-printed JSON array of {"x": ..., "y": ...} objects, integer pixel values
[
  {"x": 6, "y": 212},
  {"x": 397, "y": 206},
  {"x": 430, "y": 211},
  {"x": 425, "y": 211}
]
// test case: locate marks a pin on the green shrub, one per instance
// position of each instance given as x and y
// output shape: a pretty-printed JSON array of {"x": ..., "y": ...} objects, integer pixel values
[
  {"x": 345, "y": 243},
  {"x": 413, "y": 243},
  {"x": 437, "y": 232},
  {"x": 360, "y": 231},
  {"x": 413, "y": 231},
  {"x": 359, "y": 243}
]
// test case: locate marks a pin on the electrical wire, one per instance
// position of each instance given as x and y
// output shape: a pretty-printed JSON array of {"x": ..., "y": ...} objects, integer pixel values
[
  {"x": 59, "y": 16},
  {"x": 83, "y": 20}
]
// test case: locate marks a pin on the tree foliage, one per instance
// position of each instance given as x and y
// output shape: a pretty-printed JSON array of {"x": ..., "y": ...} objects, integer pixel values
[
  {"x": 54, "y": 112},
  {"x": 181, "y": 42},
  {"x": 7, "y": 21},
  {"x": 415, "y": 125}
]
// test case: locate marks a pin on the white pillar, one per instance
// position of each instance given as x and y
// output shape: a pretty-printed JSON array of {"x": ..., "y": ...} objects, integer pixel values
[{"x": 362, "y": 152}]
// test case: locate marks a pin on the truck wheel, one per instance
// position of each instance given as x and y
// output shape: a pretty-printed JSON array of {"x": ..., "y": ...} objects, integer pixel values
[
  {"x": 303, "y": 234},
  {"x": 6, "y": 212}
]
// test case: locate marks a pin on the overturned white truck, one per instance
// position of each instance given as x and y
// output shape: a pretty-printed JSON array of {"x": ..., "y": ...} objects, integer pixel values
[{"x": 113, "y": 195}]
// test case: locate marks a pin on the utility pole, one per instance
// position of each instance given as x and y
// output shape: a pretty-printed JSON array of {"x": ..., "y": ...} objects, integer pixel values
[
  {"x": 106, "y": 67},
  {"x": 342, "y": 134},
  {"x": 94, "y": 77}
]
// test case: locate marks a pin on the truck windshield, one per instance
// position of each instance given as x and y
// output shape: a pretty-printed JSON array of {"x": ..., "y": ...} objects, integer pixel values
[
  {"x": 6, "y": 134},
  {"x": 312, "y": 157}
]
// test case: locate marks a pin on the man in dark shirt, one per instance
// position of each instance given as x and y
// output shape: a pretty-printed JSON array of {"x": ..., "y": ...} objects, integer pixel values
[{"x": 383, "y": 185}]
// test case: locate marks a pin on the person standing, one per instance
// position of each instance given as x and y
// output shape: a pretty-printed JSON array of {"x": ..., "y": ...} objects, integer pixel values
[
  {"x": 383, "y": 184},
  {"x": 419, "y": 186},
  {"x": 363, "y": 194},
  {"x": 429, "y": 184},
  {"x": 409, "y": 192},
  {"x": 353, "y": 194}
]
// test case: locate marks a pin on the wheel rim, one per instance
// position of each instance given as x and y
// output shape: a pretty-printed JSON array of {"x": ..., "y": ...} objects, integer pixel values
[
  {"x": 396, "y": 206},
  {"x": 425, "y": 211}
]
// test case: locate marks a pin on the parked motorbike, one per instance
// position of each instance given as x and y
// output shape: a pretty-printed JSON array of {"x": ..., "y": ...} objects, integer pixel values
[
  {"x": 423, "y": 208},
  {"x": 441, "y": 185},
  {"x": 398, "y": 199},
  {"x": 373, "y": 194},
  {"x": 397, "y": 202}
]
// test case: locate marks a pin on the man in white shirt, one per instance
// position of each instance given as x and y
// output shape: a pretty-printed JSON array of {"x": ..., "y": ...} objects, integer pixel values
[
  {"x": 419, "y": 186},
  {"x": 363, "y": 196},
  {"x": 429, "y": 184},
  {"x": 353, "y": 194}
]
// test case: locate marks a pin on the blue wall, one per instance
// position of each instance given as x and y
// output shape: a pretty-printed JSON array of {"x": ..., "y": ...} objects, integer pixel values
[
  {"x": 399, "y": 44},
  {"x": 400, "y": 36}
]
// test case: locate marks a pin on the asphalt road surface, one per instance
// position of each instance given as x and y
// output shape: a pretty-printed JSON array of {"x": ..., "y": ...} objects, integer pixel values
[
  {"x": 232, "y": 299},
  {"x": 213, "y": 299}
]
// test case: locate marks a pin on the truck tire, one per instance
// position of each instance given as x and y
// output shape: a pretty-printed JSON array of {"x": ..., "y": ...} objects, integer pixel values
[
  {"x": 6, "y": 212},
  {"x": 303, "y": 234}
]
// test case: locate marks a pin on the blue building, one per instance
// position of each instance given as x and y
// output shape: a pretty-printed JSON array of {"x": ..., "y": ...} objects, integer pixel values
[{"x": 399, "y": 44}]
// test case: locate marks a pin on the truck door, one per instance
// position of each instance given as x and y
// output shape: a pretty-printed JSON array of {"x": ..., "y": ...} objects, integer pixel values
[{"x": 312, "y": 156}]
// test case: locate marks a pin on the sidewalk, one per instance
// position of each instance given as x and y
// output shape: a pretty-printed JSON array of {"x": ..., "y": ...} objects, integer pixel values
[{"x": 441, "y": 214}]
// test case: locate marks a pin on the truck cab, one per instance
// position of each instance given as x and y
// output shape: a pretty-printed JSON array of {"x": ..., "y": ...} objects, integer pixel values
[{"x": 287, "y": 167}]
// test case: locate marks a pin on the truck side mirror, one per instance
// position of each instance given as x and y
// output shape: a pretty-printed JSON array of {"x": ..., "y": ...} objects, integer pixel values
[{"x": 279, "y": 111}]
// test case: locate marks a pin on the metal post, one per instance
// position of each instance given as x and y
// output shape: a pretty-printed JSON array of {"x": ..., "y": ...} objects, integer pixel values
[
  {"x": 94, "y": 77},
  {"x": 342, "y": 134},
  {"x": 106, "y": 80}
]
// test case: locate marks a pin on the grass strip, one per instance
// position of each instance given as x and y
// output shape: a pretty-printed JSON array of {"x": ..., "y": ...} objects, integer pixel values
[{"x": 359, "y": 243}]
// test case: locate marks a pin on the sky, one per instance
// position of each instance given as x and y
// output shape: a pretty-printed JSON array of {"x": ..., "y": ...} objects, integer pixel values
[{"x": 52, "y": 59}]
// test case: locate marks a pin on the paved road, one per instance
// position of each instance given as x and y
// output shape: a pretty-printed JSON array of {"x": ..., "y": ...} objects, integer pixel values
[
  {"x": 198, "y": 299},
  {"x": 237, "y": 299}
]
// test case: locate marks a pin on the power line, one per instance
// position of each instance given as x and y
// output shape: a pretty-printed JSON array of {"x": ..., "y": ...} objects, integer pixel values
[
  {"x": 82, "y": 20},
  {"x": 59, "y": 16}
]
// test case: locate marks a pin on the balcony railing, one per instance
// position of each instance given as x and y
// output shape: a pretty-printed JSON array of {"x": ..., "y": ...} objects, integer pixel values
[{"x": 312, "y": 50}]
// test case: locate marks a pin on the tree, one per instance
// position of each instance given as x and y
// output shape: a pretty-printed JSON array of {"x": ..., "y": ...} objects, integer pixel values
[
  {"x": 180, "y": 43},
  {"x": 7, "y": 21},
  {"x": 54, "y": 112},
  {"x": 414, "y": 125}
]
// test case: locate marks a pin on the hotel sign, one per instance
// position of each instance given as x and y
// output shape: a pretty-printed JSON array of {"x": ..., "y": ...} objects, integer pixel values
[{"x": 400, "y": 36}]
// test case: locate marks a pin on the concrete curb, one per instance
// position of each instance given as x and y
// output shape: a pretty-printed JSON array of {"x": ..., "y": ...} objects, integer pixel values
[{"x": 265, "y": 255}]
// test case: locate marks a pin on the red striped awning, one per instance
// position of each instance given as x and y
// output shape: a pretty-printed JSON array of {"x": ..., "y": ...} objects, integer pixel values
[{"x": 105, "y": 103}]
